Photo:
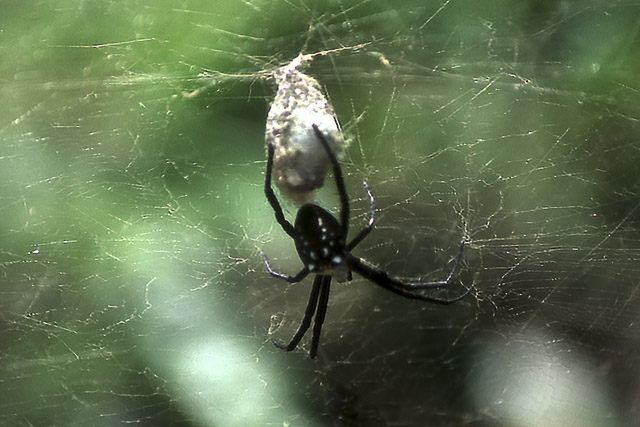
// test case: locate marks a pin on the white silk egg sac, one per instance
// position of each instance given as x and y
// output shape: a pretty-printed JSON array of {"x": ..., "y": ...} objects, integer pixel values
[{"x": 300, "y": 163}]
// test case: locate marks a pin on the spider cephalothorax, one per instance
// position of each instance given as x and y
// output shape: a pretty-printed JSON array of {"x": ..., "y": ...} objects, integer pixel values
[{"x": 321, "y": 242}]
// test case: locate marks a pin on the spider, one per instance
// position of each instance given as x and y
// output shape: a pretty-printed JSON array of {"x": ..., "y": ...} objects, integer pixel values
[{"x": 321, "y": 242}]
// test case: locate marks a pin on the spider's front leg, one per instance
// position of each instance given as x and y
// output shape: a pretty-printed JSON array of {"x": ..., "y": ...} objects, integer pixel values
[
  {"x": 308, "y": 315},
  {"x": 317, "y": 305}
]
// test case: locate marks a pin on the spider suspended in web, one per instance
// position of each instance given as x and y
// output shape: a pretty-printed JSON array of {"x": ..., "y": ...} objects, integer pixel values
[{"x": 321, "y": 242}]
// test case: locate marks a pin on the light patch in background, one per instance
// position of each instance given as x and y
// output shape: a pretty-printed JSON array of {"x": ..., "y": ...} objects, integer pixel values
[{"x": 521, "y": 380}]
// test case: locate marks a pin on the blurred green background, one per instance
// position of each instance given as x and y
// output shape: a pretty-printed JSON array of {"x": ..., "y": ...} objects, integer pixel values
[{"x": 131, "y": 286}]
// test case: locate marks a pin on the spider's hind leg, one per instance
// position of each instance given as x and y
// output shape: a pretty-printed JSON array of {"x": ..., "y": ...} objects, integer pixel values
[
  {"x": 337, "y": 175},
  {"x": 369, "y": 227},
  {"x": 271, "y": 196}
]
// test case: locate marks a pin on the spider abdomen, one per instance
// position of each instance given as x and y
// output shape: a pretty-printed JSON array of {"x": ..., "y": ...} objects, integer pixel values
[{"x": 320, "y": 243}]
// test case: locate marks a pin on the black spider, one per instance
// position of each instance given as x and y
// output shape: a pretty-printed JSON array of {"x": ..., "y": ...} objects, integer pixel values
[{"x": 323, "y": 249}]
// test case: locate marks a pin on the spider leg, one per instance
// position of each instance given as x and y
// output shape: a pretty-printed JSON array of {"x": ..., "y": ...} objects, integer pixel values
[
  {"x": 322, "y": 310},
  {"x": 291, "y": 279},
  {"x": 407, "y": 290},
  {"x": 308, "y": 314},
  {"x": 337, "y": 175},
  {"x": 273, "y": 200},
  {"x": 446, "y": 280},
  {"x": 372, "y": 211}
]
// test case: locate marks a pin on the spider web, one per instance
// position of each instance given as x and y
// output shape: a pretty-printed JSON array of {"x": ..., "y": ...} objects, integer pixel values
[{"x": 132, "y": 165}]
